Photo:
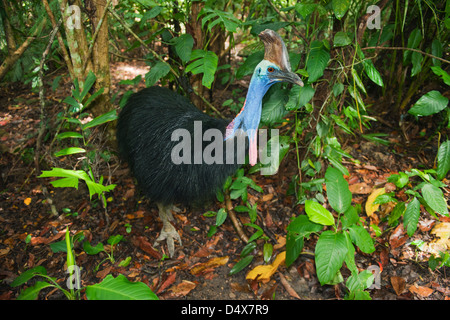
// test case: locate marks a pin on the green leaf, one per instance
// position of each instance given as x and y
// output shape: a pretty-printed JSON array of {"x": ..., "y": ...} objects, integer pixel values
[
  {"x": 183, "y": 46},
  {"x": 396, "y": 213},
  {"x": 443, "y": 160},
  {"x": 107, "y": 117},
  {"x": 411, "y": 217},
  {"x": 318, "y": 214},
  {"x": 331, "y": 249},
  {"x": 74, "y": 103},
  {"x": 69, "y": 134},
  {"x": 113, "y": 240},
  {"x": 249, "y": 64},
  {"x": 361, "y": 238},
  {"x": 267, "y": 252},
  {"x": 441, "y": 73},
  {"x": 227, "y": 19},
  {"x": 430, "y": 103},
  {"x": 437, "y": 50},
  {"x": 435, "y": 199},
  {"x": 157, "y": 71},
  {"x": 88, "y": 83},
  {"x": 294, "y": 246},
  {"x": 340, "y": 7},
  {"x": 69, "y": 151},
  {"x": 339, "y": 195},
  {"x": 241, "y": 264},
  {"x": 299, "y": 97},
  {"x": 414, "y": 40},
  {"x": 203, "y": 62},
  {"x": 317, "y": 61},
  {"x": 27, "y": 275},
  {"x": 350, "y": 217},
  {"x": 341, "y": 39},
  {"x": 90, "y": 250},
  {"x": 119, "y": 288},
  {"x": 273, "y": 107},
  {"x": 270, "y": 161},
  {"x": 372, "y": 72},
  {"x": 221, "y": 217},
  {"x": 32, "y": 292},
  {"x": 416, "y": 60},
  {"x": 303, "y": 227}
]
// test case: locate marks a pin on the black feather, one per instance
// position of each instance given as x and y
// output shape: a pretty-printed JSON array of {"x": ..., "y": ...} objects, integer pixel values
[{"x": 144, "y": 132}]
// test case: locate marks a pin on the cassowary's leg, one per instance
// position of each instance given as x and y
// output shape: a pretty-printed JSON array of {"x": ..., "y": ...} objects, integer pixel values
[{"x": 168, "y": 231}]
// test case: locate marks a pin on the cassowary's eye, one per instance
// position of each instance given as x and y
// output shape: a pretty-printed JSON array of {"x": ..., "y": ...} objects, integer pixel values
[{"x": 271, "y": 69}]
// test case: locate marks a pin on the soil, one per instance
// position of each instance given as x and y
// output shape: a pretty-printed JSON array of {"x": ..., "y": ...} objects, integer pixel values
[{"x": 200, "y": 268}]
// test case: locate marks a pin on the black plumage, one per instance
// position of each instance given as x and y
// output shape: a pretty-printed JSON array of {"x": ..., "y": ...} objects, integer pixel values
[{"x": 145, "y": 142}]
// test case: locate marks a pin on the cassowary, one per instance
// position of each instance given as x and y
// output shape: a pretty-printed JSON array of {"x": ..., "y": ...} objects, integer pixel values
[{"x": 156, "y": 121}]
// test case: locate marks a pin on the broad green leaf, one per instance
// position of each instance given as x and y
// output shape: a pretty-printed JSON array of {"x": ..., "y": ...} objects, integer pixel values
[
  {"x": 318, "y": 214},
  {"x": 340, "y": 7},
  {"x": 273, "y": 110},
  {"x": 227, "y": 19},
  {"x": 303, "y": 227},
  {"x": 183, "y": 46},
  {"x": 350, "y": 256},
  {"x": 267, "y": 251},
  {"x": 271, "y": 162},
  {"x": 414, "y": 40},
  {"x": 74, "y": 103},
  {"x": 157, "y": 71},
  {"x": 396, "y": 213},
  {"x": 341, "y": 39},
  {"x": 411, "y": 217},
  {"x": 361, "y": 238},
  {"x": 69, "y": 151},
  {"x": 113, "y": 240},
  {"x": 339, "y": 195},
  {"x": 249, "y": 64},
  {"x": 350, "y": 217},
  {"x": 443, "y": 160},
  {"x": 372, "y": 72},
  {"x": 109, "y": 116},
  {"x": 443, "y": 74},
  {"x": 221, "y": 217},
  {"x": 294, "y": 246},
  {"x": 299, "y": 97},
  {"x": 203, "y": 62},
  {"x": 435, "y": 198},
  {"x": 330, "y": 252},
  {"x": 89, "y": 249},
  {"x": 119, "y": 288},
  {"x": 430, "y": 103},
  {"x": 317, "y": 61},
  {"x": 305, "y": 9},
  {"x": 32, "y": 292},
  {"x": 27, "y": 275},
  {"x": 88, "y": 83}
]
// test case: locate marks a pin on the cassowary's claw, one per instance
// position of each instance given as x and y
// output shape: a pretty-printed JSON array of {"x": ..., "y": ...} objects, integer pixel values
[{"x": 168, "y": 231}]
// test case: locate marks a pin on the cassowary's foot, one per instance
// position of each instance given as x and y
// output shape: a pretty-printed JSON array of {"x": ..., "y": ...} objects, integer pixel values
[{"x": 168, "y": 231}]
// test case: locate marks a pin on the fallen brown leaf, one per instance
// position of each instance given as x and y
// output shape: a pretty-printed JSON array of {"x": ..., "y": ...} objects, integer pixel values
[
  {"x": 170, "y": 280},
  {"x": 182, "y": 289},
  {"x": 210, "y": 264},
  {"x": 360, "y": 188},
  {"x": 420, "y": 290},
  {"x": 398, "y": 237},
  {"x": 399, "y": 284}
]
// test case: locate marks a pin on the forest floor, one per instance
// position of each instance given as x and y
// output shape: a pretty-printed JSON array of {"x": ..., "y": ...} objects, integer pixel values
[{"x": 200, "y": 268}]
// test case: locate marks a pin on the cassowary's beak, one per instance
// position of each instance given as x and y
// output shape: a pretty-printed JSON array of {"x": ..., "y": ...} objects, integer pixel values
[{"x": 286, "y": 76}]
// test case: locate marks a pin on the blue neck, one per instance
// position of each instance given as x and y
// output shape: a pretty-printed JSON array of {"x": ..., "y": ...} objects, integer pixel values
[{"x": 250, "y": 114}]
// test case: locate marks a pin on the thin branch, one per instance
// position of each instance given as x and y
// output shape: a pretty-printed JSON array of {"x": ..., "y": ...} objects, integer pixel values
[
  {"x": 234, "y": 220},
  {"x": 410, "y": 49}
]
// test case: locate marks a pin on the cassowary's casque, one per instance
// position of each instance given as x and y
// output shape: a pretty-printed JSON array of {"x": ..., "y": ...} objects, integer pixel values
[{"x": 154, "y": 121}]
